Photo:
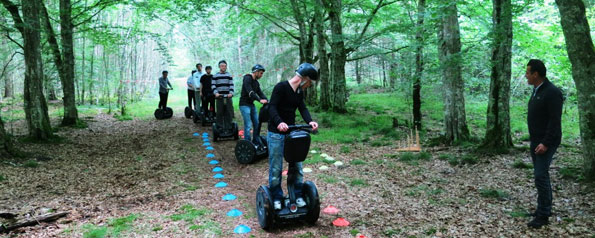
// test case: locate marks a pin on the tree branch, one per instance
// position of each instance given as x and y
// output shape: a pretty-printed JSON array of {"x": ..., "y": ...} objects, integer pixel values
[
  {"x": 373, "y": 54},
  {"x": 360, "y": 38},
  {"x": 272, "y": 20},
  {"x": 14, "y": 41},
  {"x": 14, "y": 12}
]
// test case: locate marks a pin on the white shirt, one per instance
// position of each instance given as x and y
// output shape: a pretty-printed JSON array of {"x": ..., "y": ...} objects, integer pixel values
[
  {"x": 536, "y": 88},
  {"x": 196, "y": 80}
]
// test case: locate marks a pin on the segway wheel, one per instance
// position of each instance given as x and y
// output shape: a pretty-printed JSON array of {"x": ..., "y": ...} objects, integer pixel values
[
  {"x": 312, "y": 201},
  {"x": 215, "y": 132},
  {"x": 168, "y": 113},
  {"x": 196, "y": 117},
  {"x": 245, "y": 152},
  {"x": 158, "y": 114},
  {"x": 264, "y": 207},
  {"x": 187, "y": 112},
  {"x": 236, "y": 136}
]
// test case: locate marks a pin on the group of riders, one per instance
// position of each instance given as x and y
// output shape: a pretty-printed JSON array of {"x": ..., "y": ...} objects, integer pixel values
[{"x": 216, "y": 92}]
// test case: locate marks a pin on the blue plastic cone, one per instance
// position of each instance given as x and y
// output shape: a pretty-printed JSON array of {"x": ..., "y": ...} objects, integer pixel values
[
  {"x": 210, "y": 148},
  {"x": 195, "y": 134},
  {"x": 206, "y": 144},
  {"x": 229, "y": 197},
  {"x": 210, "y": 155},
  {"x": 205, "y": 134},
  {"x": 217, "y": 169},
  {"x": 221, "y": 185},
  {"x": 242, "y": 229},
  {"x": 234, "y": 213},
  {"x": 213, "y": 162},
  {"x": 218, "y": 176}
]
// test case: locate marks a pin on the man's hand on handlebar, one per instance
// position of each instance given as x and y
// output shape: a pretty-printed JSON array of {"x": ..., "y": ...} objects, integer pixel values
[
  {"x": 282, "y": 127},
  {"x": 263, "y": 101},
  {"x": 314, "y": 125}
]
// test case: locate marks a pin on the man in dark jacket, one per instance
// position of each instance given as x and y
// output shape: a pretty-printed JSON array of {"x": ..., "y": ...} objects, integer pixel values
[
  {"x": 287, "y": 97},
  {"x": 207, "y": 97},
  {"x": 545, "y": 133},
  {"x": 251, "y": 92}
]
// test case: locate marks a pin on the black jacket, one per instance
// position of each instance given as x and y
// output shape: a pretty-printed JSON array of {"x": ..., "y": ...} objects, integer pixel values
[
  {"x": 545, "y": 115},
  {"x": 205, "y": 80},
  {"x": 250, "y": 91},
  {"x": 284, "y": 102}
]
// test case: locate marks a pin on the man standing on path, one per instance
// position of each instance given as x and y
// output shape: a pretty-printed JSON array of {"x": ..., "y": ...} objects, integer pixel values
[
  {"x": 191, "y": 89},
  {"x": 222, "y": 85},
  {"x": 545, "y": 133},
  {"x": 251, "y": 92},
  {"x": 163, "y": 90}
]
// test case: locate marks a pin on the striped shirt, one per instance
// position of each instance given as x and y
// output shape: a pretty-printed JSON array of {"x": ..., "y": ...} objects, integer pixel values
[{"x": 222, "y": 83}]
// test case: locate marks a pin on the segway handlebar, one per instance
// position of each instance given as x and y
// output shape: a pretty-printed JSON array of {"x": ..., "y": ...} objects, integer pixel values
[{"x": 301, "y": 127}]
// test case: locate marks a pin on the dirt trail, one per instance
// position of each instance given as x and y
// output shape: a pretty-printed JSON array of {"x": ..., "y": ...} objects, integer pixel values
[{"x": 153, "y": 168}]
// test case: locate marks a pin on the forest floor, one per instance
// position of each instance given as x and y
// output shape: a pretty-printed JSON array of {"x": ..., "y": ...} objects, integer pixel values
[{"x": 149, "y": 178}]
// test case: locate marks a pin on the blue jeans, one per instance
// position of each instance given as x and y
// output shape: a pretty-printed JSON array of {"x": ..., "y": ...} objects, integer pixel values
[
  {"x": 295, "y": 175},
  {"x": 250, "y": 118},
  {"x": 541, "y": 170}
]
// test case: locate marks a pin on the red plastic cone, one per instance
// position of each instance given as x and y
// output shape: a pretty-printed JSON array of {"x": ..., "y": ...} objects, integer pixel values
[
  {"x": 361, "y": 236},
  {"x": 330, "y": 210},
  {"x": 341, "y": 222}
]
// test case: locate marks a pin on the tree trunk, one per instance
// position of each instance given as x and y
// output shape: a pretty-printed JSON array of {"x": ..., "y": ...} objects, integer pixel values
[
  {"x": 91, "y": 80},
  {"x": 64, "y": 60},
  {"x": 449, "y": 36},
  {"x": 582, "y": 56},
  {"x": 36, "y": 109},
  {"x": 358, "y": 76},
  {"x": 338, "y": 57},
  {"x": 325, "y": 92},
  {"x": 82, "y": 97},
  {"x": 66, "y": 32},
  {"x": 419, "y": 63},
  {"x": 498, "y": 116},
  {"x": 306, "y": 47},
  {"x": 5, "y": 139}
]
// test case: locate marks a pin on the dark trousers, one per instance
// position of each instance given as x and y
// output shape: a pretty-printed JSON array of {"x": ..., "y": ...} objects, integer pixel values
[
  {"x": 191, "y": 99},
  {"x": 541, "y": 171},
  {"x": 224, "y": 113},
  {"x": 207, "y": 103},
  {"x": 162, "y": 100}
]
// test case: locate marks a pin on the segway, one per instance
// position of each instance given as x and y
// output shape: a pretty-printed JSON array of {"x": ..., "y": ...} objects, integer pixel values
[
  {"x": 219, "y": 133},
  {"x": 166, "y": 113},
  {"x": 196, "y": 113},
  {"x": 297, "y": 145},
  {"x": 207, "y": 118},
  {"x": 249, "y": 151}
]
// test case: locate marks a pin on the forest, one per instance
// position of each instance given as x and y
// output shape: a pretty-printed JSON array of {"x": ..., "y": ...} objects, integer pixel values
[{"x": 423, "y": 109}]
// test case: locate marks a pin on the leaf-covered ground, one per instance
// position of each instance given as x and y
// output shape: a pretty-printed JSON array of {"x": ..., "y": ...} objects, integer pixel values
[{"x": 148, "y": 178}]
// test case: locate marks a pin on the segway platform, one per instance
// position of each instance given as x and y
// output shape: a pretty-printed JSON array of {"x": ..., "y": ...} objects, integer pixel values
[{"x": 161, "y": 114}]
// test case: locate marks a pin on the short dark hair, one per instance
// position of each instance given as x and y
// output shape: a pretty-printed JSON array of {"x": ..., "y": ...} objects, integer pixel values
[
  {"x": 208, "y": 67},
  {"x": 164, "y": 72},
  {"x": 198, "y": 65},
  {"x": 537, "y": 66},
  {"x": 222, "y": 62}
]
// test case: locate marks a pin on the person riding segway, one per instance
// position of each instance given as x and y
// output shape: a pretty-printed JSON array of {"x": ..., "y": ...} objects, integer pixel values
[
  {"x": 251, "y": 147},
  {"x": 223, "y": 88},
  {"x": 286, "y": 140},
  {"x": 162, "y": 111},
  {"x": 207, "y": 110}
]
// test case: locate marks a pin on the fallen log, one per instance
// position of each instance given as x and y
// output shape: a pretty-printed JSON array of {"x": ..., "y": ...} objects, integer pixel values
[{"x": 4, "y": 228}]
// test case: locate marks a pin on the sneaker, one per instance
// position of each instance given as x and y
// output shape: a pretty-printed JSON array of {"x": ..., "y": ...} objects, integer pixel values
[
  {"x": 277, "y": 205},
  {"x": 300, "y": 202},
  {"x": 538, "y": 222}
]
